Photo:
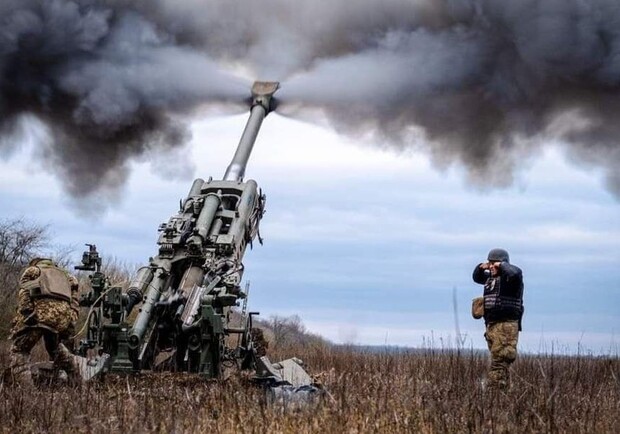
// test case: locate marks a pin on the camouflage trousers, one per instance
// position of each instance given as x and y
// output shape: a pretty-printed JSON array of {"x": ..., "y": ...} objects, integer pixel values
[
  {"x": 55, "y": 321},
  {"x": 24, "y": 342},
  {"x": 502, "y": 340}
]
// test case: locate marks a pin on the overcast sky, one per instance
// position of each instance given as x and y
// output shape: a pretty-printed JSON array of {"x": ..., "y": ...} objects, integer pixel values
[{"x": 367, "y": 245}]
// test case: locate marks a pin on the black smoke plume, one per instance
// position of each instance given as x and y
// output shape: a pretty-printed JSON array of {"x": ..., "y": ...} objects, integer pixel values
[
  {"x": 106, "y": 82},
  {"x": 483, "y": 83}
]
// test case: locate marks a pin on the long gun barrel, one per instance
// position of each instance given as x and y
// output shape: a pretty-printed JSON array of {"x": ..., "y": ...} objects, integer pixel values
[
  {"x": 201, "y": 249},
  {"x": 188, "y": 289},
  {"x": 262, "y": 104}
]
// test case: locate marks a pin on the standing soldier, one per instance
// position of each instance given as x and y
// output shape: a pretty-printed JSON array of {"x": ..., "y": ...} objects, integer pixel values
[
  {"x": 503, "y": 310},
  {"x": 48, "y": 307}
]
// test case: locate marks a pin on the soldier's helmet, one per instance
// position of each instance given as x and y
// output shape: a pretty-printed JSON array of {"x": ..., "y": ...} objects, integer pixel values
[
  {"x": 35, "y": 261},
  {"x": 498, "y": 255}
]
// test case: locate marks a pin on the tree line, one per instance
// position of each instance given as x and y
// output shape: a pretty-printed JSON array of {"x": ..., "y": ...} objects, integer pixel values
[{"x": 22, "y": 240}]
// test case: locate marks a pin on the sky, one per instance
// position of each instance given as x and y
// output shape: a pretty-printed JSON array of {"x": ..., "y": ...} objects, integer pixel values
[
  {"x": 463, "y": 125},
  {"x": 367, "y": 244}
]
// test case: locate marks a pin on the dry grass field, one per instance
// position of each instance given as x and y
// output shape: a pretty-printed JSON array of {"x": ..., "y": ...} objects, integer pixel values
[{"x": 423, "y": 391}]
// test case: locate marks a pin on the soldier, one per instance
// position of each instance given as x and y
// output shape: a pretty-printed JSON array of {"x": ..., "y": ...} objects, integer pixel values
[
  {"x": 503, "y": 310},
  {"x": 47, "y": 307}
]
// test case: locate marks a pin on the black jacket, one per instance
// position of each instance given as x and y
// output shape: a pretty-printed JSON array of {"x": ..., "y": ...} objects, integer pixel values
[{"x": 503, "y": 294}]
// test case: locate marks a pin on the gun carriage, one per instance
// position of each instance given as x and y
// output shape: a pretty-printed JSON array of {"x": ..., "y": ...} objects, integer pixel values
[{"x": 188, "y": 289}]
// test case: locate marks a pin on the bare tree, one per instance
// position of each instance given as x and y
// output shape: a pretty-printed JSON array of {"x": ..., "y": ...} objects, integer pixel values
[
  {"x": 283, "y": 328},
  {"x": 290, "y": 330},
  {"x": 20, "y": 241}
]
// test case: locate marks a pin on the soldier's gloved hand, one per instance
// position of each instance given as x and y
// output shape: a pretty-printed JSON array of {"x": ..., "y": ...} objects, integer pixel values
[{"x": 31, "y": 319}]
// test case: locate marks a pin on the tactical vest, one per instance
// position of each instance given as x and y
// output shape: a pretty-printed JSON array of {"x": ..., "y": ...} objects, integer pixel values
[
  {"x": 502, "y": 300},
  {"x": 52, "y": 283}
]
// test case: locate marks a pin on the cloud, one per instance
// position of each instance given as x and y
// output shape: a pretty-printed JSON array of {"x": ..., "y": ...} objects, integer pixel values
[
  {"x": 478, "y": 84},
  {"x": 378, "y": 245}
]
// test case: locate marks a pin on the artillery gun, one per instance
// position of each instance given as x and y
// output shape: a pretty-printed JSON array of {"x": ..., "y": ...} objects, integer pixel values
[{"x": 188, "y": 289}]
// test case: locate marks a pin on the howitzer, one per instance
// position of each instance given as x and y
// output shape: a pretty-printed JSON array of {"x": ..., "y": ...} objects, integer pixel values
[
  {"x": 107, "y": 307},
  {"x": 188, "y": 289}
]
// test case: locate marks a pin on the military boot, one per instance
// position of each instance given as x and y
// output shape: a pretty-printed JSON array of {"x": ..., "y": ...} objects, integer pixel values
[
  {"x": 19, "y": 370},
  {"x": 67, "y": 362}
]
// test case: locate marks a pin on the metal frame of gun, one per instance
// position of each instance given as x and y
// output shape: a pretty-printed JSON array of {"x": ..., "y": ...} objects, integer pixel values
[
  {"x": 188, "y": 289},
  {"x": 107, "y": 306}
]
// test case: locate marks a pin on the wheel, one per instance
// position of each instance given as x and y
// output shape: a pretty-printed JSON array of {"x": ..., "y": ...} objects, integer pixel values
[{"x": 93, "y": 328}]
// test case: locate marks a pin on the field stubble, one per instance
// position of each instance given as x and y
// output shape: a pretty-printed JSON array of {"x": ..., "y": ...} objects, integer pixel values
[{"x": 421, "y": 391}]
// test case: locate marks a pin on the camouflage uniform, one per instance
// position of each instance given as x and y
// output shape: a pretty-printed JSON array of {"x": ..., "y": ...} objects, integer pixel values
[
  {"x": 50, "y": 318},
  {"x": 502, "y": 340},
  {"x": 503, "y": 310}
]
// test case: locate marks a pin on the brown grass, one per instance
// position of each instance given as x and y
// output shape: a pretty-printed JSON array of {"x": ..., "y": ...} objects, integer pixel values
[{"x": 429, "y": 391}]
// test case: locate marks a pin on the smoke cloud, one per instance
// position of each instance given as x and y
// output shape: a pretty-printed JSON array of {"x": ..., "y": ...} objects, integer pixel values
[
  {"x": 106, "y": 83},
  {"x": 480, "y": 83}
]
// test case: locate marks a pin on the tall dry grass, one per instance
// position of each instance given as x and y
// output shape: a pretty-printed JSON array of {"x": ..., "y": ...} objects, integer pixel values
[{"x": 422, "y": 391}]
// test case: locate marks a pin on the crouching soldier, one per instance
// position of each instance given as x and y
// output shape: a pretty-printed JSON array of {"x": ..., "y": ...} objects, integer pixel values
[
  {"x": 503, "y": 309},
  {"x": 48, "y": 308}
]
